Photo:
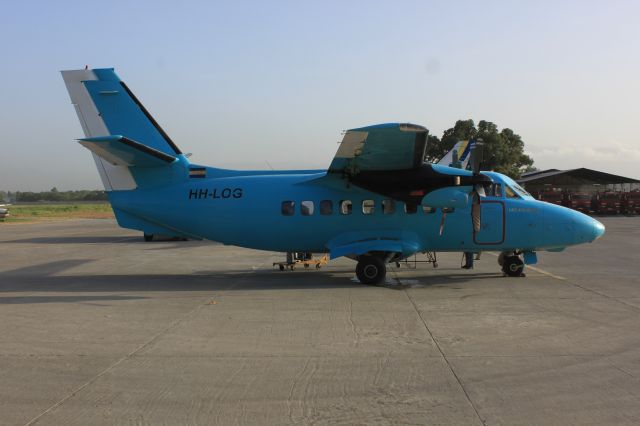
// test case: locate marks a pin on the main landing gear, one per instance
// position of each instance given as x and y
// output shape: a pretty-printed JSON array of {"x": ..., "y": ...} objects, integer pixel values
[
  {"x": 371, "y": 269},
  {"x": 512, "y": 264}
]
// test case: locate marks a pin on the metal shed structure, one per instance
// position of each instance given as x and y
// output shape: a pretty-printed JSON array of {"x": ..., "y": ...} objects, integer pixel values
[{"x": 582, "y": 179}]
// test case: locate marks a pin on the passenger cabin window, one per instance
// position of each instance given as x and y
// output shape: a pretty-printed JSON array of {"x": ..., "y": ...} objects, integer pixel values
[
  {"x": 368, "y": 206},
  {"x": 428, "y": 209},
  {"x": 326, "y": 207},
  {"x": 410, "y": 208},
  {"x": 388, "y": 206},
  {"x": 288, "y": 208},
  {"x": 307, "y": 208},
  {"x": 345, "y": 207}
]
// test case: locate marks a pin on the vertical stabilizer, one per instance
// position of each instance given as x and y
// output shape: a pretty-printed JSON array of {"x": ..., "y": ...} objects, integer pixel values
[
  {"x": 107, "y": 107},
  {"x": 459, "y": 155},
  {"x": 113, "y": 177}
]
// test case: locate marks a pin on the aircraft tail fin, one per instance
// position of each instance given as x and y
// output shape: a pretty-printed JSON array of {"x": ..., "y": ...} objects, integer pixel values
[
  {"x": 118, "y": 129},
  {"x": 459, "y": 155}
]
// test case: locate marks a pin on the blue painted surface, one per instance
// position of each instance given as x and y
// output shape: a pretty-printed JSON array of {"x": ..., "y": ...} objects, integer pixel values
[
  {"x": 389, "y": 146},
  {"x": 124, "y": 154},
  {"x": 445, "y": 170},
  {"x": 492, "y": 223},
  {"x": 255, "y": 220},
  {"x": 456, "y": 197},
  {"x": 120, "y": 113},
  {"x": 530, "y": 258},
  {"x": 243, "y": 208}
]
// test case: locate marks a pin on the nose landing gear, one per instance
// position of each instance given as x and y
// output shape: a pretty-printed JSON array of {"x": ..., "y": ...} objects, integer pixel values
[{"x": 512, "y": 264}]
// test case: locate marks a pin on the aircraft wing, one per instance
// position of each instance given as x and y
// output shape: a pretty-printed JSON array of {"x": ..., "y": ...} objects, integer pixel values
[
  {"x": 383, "y": 147},
  {"x": 389, "y": 159}
]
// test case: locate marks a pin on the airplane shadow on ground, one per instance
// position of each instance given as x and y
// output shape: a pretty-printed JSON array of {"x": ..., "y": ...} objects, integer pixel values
[
  {"x": 49, "y": 277},
  {"x": 76, "y": 240},
  {"x": 167, "y": 242}
]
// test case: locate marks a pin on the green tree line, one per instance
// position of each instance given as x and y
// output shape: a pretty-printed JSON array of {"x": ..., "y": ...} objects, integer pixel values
[
  {"x": 53, "y": 195},
  {"x": 503, "y": 150}
]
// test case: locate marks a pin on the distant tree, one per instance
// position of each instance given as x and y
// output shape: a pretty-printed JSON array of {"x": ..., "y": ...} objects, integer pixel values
[
  {"x": 503, "y": 150},
  {"x": 66, "y": 196},
  {"x": 435, "y": 149}
]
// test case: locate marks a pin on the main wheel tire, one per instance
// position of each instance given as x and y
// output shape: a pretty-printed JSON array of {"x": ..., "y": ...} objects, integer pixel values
[
  {"x": 513, "y": 266},
  {"x": 148, "y": 237},
  {"x": 371, "y": 270}
]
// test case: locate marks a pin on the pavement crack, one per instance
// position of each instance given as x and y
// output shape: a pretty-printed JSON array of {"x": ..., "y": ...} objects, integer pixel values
[
  {"x": 356, "y": 336},
  {"x": 126, "y": 357},
  {"x": 622, "y": 370},
  {"x": 444, "y": 357},
  {"x": 293, "y": 386}
]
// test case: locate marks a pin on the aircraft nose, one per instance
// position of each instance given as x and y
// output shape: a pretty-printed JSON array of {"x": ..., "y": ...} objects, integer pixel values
[{"x": 598, "y": 229}]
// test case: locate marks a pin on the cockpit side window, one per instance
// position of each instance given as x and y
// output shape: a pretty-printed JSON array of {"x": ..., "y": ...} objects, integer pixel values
[
  {"x": 493, "y": 190},
  {"x": 510, "y": 192}
]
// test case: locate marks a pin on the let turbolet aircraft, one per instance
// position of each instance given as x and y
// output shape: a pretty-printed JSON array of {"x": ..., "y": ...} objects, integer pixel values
[{"x": 378, "y": 202}]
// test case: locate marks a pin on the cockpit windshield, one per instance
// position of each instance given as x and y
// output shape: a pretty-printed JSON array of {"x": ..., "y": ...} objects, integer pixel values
[
  {"x": 510, "y": 193},
  {"x": 504, "y": 186},
  {"x": 520, "y": 190}
]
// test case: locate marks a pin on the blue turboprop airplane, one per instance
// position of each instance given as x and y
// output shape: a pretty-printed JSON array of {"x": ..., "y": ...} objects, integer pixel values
[{"x": 378, "y": 202}]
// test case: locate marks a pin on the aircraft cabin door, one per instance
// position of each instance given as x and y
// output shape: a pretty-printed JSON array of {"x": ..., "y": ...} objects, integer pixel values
[{"x": 492, "y": 223}]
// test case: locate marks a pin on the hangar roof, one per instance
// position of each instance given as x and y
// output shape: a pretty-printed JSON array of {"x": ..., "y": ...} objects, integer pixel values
[{"x": 577, "y": 176}]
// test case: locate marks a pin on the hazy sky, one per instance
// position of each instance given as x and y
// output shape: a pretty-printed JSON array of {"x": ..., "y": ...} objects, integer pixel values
[{"x": 243, "y": 84}]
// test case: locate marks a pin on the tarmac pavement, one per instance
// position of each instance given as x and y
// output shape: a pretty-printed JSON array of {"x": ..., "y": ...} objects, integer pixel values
[{"x": 99, "y": 327}]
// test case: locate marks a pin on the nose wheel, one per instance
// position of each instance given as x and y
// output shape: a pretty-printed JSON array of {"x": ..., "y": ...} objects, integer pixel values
[
  {"x": 512, "y": 264},
  {"x": 371, "y": 270}
]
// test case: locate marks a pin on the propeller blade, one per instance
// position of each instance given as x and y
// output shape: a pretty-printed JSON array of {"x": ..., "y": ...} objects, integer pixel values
[
  {"x": 476, "y": 210},
  {"x": 476, "y": 215},
  {"x": 476, "y": 156}
]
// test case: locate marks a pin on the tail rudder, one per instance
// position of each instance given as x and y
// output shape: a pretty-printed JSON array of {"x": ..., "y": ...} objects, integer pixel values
[{"x": 113, "y": 120}]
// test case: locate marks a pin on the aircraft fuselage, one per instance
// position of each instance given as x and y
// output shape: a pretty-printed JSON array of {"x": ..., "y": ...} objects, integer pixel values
[{"x": 247, "y": 210}]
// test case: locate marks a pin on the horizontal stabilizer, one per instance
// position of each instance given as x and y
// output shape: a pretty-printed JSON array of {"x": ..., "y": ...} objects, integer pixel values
[{"x": 121, "y": 151}]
